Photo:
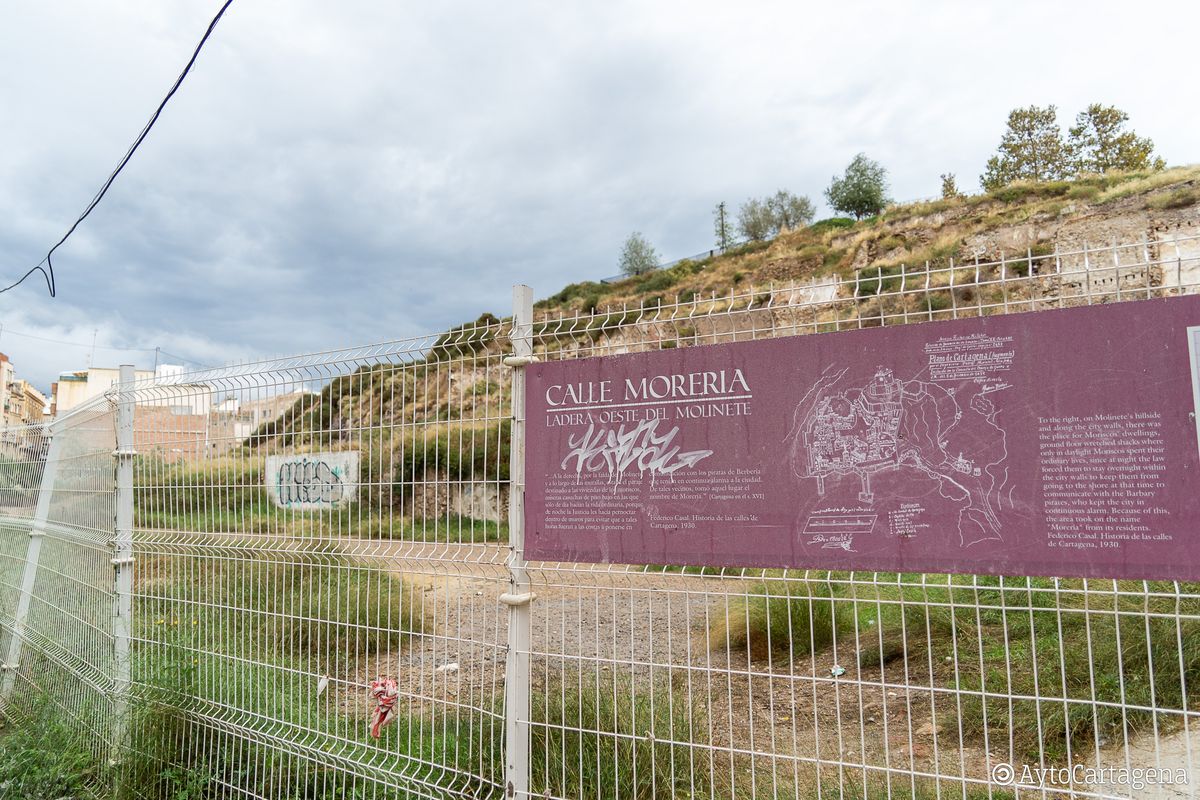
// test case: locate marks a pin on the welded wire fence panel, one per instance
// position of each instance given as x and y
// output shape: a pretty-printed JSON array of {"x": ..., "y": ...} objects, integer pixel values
[
  {"x": 58, "y": 583},
  {"x": 671, "y": 682},
  {"x": 304, "y": 528},
  {"x": 22, "y": 459},
  {"x": 310, "y": 529}
]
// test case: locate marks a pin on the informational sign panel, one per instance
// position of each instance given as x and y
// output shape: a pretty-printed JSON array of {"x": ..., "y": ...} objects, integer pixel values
[
  {"x": 1058, "y": 442},
  {"x": 312, "y": 481}
]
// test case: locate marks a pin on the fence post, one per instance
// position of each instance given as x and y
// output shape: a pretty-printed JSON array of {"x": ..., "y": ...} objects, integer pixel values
[
  {"x": 518, "y": 597},
  {"x": 33, "y": 551},
  {"x": 123, "y": 559}
]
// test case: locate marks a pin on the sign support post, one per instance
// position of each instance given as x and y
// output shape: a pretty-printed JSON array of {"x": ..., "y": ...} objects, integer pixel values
[{"x": 518, "y": 598}]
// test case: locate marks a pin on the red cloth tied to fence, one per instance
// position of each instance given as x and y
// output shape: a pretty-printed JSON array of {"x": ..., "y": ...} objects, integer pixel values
[{"x": 385, "y": 693}]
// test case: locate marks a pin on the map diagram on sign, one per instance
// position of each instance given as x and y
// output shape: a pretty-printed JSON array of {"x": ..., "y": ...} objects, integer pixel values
[{"x": 917, "y": 437}]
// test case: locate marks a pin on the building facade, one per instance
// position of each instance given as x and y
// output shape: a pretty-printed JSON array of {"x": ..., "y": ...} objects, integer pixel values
[{"x": 20, "y": 402}]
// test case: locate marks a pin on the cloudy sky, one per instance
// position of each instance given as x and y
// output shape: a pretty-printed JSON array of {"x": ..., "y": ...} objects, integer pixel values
[{"x": 340, "y": 173}]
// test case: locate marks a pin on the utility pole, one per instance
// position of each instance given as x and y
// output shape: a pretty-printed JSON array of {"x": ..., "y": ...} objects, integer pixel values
[{"x": 721, "y": 226}]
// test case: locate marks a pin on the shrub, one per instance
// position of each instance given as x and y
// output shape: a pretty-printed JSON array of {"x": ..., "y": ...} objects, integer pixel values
[
  {"x": 1180, "y": 198},
  {"x": 831, "y": 224},
  {"x": 658, "y": 281},
  {"x": 44, "y": 756},
  {"x": 477, "y": 454},
  {"x": 1021, "y": 191},
  {"x": 937, "y": 301},
  {"x": 1084, "y": 191},
  {"x": 833, "y": 258},
  {"x": 813, "y": 252},
  {"x": 462, "y": 340},
  {"x": 885, "y": 280},
  {"x": 575, "y": 290},
  {"x": 1110, "y": 667},
  {"x": 790, "y": 616},
  {"x": 326, "y": 608},
  {"x": 616, "y": 739}
]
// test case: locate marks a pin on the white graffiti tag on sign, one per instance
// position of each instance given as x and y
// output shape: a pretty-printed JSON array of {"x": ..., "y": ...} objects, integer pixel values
[{"x": 312, "y": 481}]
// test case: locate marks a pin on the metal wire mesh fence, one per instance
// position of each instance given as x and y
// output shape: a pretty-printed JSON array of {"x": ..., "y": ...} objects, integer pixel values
[
  {"x": 57, "y": 579},
  {"x": 327, "y": 595}
]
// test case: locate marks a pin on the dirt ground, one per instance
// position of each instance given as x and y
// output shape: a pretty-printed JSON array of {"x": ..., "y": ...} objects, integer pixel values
[{"x": 652, "y": 628}]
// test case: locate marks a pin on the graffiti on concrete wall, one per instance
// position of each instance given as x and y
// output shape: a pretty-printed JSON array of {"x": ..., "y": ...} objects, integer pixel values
[{"x": 312, "y": 481}]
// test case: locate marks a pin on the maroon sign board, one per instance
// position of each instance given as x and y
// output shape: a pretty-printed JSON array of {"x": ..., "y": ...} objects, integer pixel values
[{"x": 1058, "y": 442}]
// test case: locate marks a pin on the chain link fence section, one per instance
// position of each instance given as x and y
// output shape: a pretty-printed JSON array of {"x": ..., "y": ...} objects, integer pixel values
[{"x": 323, "y": 543}]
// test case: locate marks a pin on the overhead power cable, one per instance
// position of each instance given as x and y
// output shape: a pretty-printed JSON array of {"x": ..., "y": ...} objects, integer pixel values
[
  {"x": 46, "y": 265},
  {"x": 193, "y": 362},
  {"x": 9, "y": 332},
  {"x": 90, "y": 346}
]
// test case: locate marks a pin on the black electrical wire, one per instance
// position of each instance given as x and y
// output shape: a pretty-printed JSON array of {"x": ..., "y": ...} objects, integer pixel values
[{"x": 46, "y": 266}]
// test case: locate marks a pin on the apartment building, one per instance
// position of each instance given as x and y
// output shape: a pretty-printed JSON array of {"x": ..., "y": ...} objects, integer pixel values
[{"x": 20, "y": 402}]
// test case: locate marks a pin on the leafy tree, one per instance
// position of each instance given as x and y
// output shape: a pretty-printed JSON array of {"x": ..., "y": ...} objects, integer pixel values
[
  {"x": 722, "y": 226},
  {"x": 1031, "y": 149},
  {"x": 1099, "y": 142},
  {"x": 789, "y": 211},
  {"x": 755, "y": 220},
  {"x": 950, "y": 187},
  {"x": 861, "y": 191},
  {"x": 638, "y": 256},
  {"x": 763, "y": 219}
]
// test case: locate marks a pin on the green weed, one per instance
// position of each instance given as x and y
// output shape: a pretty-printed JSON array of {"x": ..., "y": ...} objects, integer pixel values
[
  {"x": 1179, "y": 198},
  {"x": 45, "y": 757},
  {"x": 789, "y": 616}
]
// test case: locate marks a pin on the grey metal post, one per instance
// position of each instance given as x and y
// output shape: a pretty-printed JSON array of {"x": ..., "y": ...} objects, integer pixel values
[
  {"x": 33, "y": 552},
  {"x": 123, "y": 558},
  {"x": 518, "y": 598}
]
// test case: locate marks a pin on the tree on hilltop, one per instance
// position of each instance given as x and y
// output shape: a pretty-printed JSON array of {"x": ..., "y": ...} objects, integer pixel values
[
  {"x": 862, "y": 189},
  {"x": 1031, "y": 149},
  {"x": 754, "y": 220},
  {"x": 766, "y": 218},
  {"x": 789, "y": 211},
  {"x": 1099, "y": 143},
  {"x": 950, "y": 187},
  {"x": 638, "y": 256}
]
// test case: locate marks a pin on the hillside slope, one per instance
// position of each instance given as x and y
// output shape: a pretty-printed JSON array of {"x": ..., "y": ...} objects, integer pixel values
[
  {"x": 432, "y": 421},
  {"x": 1008, "y": 223}
]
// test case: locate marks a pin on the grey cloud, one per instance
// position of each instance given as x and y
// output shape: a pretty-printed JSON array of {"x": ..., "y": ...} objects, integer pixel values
[{"x": 334, "y": 174}]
